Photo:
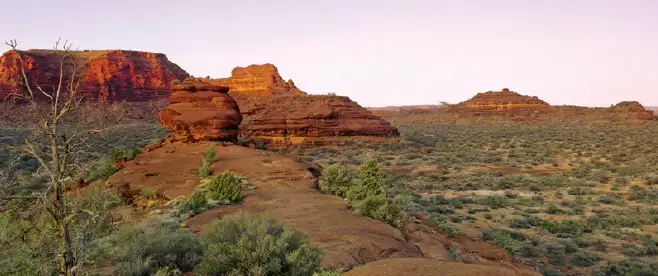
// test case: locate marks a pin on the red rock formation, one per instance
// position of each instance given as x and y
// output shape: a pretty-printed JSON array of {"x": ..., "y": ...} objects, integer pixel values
[
  {"x": 633, "y": 109},
  {"x": 257, "y": 81},
  {"x": 201, "y": 111},
  {"x": 109, "y": 75},
  {"x": 503, "y": 102},
  {"x": 297, "y": 119}
]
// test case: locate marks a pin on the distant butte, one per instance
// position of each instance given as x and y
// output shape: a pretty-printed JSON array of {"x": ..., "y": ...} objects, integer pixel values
[
  {"x": 504, "y": 101},
  {"x": 515, "y": 106}
]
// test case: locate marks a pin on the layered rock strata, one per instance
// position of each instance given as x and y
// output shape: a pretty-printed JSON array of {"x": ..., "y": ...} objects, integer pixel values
[
  {"x": 201, "y": 111},
  {"x": 104, "y": 75}
]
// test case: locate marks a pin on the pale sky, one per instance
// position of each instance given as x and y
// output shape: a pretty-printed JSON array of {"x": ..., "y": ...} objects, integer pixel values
[{"x": 378, "y": 52}]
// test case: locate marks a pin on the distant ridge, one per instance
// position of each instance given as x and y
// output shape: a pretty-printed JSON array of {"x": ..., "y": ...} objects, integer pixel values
[
  {"x": 407, "y": 107},
  {"x": 509, "y": 104}
]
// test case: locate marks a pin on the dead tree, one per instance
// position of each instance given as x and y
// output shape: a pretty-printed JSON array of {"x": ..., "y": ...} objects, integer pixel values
[{"x": 61, "y": 126}]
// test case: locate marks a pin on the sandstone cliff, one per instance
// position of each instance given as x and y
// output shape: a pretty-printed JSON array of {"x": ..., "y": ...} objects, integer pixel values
[
  {"x": 257, "y": 81},
  {"x": 107, "y": 75}
]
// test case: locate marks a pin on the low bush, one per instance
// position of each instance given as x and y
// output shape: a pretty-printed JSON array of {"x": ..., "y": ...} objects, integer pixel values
[
  {"x": 251, "y": 245},
  {"x": 366, "y": 194},
  {"x": 495, "y": 201},
  {"x": 102, "y": 171},
  {"x": 194, "y": 204},
  {"x": 525, "y": 222},
  {"x": 208, "y": 159},
  {"x": 124, "y": 153},
  {"x": 503, "y": 238},
  {"x": 336, "y": 179},
  {"x": 144, "y": 249},
  {"x": 627, "y": 267},
  {"x": 584, "y": 259},
  {"x": 556, "y": 253},
  {"x": 381, "y": 208},
  {"x": 226, "y": 188}
]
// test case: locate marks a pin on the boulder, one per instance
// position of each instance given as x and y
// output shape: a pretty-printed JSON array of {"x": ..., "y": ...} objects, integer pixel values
[{"x": 200, "y": 111}]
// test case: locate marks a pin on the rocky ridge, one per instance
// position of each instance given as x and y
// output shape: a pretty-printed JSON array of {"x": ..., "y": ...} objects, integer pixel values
[{"x": 106, "y": 75}]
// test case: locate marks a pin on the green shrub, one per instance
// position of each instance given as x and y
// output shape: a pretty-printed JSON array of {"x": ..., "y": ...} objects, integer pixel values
[
  {"x": 556, "y": 254},
  {"x": 204, "y": 170},
  {"x": 195, "y": 203},
  {"x": 128, "y": 154},
  {"x": 495, "y": 201},
  {"x": 102, "y": 171},
  {"x": 336, "y": 180},
  {"x": 209, "y": 155},
  {"x": 143, "y": 250},
  {"x": 568, "y": 229},
  {"x": 370, "y": 182},
  {"x": 525, "y": 222},
  {"x": 149, "y": 192},
  {"x": 208, "y": 159},
  {"x": 584, "y": 259},
  {"x": 530, "y": 251},
  {"x": 569, "y": 246},
  {"x": 251, "y": 245},
  {"x": 547, "y": 271},
  {"x": 225, "y": 188},
  {"x": 381, "y": 208},
  {"x": 503, "y": 238},
  {"x": 578, "y": 190},
  {"x": 628, "y": 267}
]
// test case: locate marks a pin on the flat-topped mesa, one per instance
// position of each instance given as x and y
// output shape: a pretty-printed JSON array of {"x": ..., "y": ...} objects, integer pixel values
[
  {"x": 106, "y": 75},
  {"x": 505, "y": 103},
  {"x": 257, "y": 81},
  {"x": 310, "y": 119},
  {"x": 200, "y": 111},
  {"x": 503, "y": 99}
]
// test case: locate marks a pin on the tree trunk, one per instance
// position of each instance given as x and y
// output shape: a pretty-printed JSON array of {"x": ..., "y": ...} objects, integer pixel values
[{"x": 65, "y": 258}]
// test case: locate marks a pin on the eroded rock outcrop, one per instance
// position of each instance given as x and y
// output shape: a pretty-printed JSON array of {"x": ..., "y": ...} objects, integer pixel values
[
  {"x": 106, "y": 75},
  {"x": 257, "y": 80},
  {"x": 304, "y": 119},
  {"x": 503, "y": 102},
  {"x": 200, "y": 111}
]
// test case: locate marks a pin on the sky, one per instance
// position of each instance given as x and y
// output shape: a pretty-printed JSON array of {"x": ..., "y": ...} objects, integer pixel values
[{"x": 378, "y": 52}]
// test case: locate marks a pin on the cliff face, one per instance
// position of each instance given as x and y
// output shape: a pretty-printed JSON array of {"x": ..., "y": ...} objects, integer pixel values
[
  {"x": 109, "y": 75},
  {"x": 298, "y": 119},
  {"x": 257, "y": 81}
]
